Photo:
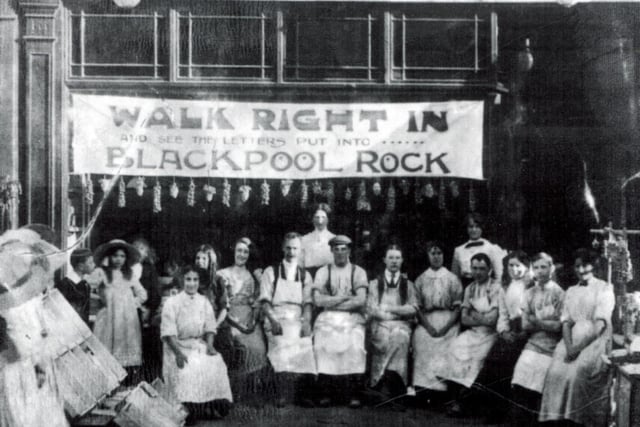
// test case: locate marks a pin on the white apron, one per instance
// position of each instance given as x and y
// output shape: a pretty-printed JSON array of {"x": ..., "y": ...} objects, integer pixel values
[
  {"x": 202, "y": 379},
  {"x": 469, "y": 350},
  {"x": 339, "y": 343},
  {"x": 531, "y": 370},
  {"x": 427, "y": 350},
  {"x": 289, "y": 352}
]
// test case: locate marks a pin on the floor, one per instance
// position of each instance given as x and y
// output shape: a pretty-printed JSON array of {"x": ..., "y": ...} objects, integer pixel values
[{"x": 245, "y": 415}]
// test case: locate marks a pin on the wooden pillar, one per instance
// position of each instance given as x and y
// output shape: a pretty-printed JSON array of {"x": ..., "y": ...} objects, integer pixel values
[
  {"x": 41, "y": 142},
  {"x": 9, "y": 81}
]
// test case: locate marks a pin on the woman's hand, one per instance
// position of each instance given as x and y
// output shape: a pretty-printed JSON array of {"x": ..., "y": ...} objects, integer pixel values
[
  {"x": 211, "y": 351},
  {"x": 508, "y": 336},
  {"x": 181, "y": 360},
  {"x": 276, "y": 328},
  {"x": 572, "y": 353},
  {"x": 250, "y": 327},
  {"x": 305, "y": 330}
]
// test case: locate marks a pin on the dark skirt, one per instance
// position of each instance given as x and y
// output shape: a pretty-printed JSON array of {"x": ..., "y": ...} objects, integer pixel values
[{"x": 493, "y": 385}]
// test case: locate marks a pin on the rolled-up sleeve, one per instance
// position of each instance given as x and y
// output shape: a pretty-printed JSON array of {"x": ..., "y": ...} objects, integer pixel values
[
  {"x": 210, "y": 325},
  {"x": 466, "y": 301},
  {"x": 168, "y": 322},
  {"x": 266, "y": 285},
  {"x": 321, "y": 280},
  {"x": 307, "y": 285},
  {"x": 503, "y": 313},
  {"x": 360, "y": 279}
]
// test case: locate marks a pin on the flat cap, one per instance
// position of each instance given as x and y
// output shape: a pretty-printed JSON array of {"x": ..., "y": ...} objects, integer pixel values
[{"x": 340, "y": 239}]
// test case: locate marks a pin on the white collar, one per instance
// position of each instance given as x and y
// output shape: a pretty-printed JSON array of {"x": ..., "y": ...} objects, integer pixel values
[
  {"x": 73, "y": 276},
  {"x": 390, "y": 276}
]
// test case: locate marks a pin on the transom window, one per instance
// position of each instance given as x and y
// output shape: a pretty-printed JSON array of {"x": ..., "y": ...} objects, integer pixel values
[
  {"x": 227, "y": 46},
  {"x": 333, "y": 48},
  {"x": 114, "y": 45},
  {"x": 281, "y": 43}
]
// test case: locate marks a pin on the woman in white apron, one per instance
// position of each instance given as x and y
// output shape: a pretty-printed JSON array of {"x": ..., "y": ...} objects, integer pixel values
[
  {"x": 391, "y": 307},
  {"x": 541, "y": 319},
  {"x": 340, "y": 289},
  {"x": 192, "y": 369},
  {"x": 576, "y": 387},
  {"x": 285, "y": 292},
  {"x": 439, "y": 294},
  {"x": 468, "y": 350}
]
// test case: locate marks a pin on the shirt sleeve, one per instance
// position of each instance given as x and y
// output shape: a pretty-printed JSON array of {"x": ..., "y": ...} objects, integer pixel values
[
  {"x": 266, "y": 285},
  {"x": 320, "y": 281},
  {"x": 606, "y": 303},
  {"x": 222, "y": 293},
  {"x": 456, "y": 267},
  {"x": 210, "y": 325},
  {"x": 456, "y": 290},
  {"x": 372, "y": 298},
  {"x": 466, "y": 301},
  {"x": 307, "y": 285},
  {"x": 566, "y": 315},
  {"x": 168, "y": 325},
  {"x": 503, "y": 313},
  {"x": 493, "y": 291},
  {"x": 139, "y": 291},
  {"x": 360, "y": 279},
  {"x": 559, "y": 303},
  {"x": 412, "y": 298}
]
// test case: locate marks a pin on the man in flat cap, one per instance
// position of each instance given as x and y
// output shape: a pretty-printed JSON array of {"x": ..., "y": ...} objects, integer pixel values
[{"x": 340, "y": 289}]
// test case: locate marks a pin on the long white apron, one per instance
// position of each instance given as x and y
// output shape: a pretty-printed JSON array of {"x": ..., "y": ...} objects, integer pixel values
[
  {"x": 469, "y": 350},
  {"x": 339, "y": 343},
  {"x": 289, "y": 352},
  {"x": 428, "y": 350},
  {"x": 202, "y": 379}
]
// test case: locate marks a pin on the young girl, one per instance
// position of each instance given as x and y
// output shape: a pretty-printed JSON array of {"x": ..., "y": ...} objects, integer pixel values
[
  {"x": 541, "y": 319},
  {"x": 117, "y": 324},
  {"x": 206, "y": 261},
  {"x": 193, "y": 370},
  {"x": 576, "y": 385},
  {"x": 498, "y": 366}
]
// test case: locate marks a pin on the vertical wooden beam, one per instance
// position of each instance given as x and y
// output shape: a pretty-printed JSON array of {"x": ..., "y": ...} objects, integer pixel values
[
  {"x": 9, "y": 81},
  {"x": 41, "y": 110}
]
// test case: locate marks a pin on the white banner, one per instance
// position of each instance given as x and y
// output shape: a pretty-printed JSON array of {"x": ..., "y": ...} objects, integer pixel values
[{"x": 158, "y": 137}]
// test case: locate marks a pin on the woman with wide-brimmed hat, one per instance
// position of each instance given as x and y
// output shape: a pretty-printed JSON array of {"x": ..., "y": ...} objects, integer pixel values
[{"x": 117, "y": 324}]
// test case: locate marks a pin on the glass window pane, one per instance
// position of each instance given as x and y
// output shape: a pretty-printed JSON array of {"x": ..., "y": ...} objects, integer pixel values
[
  {"x": 113, "y": 46},
  {"x": 119, "y": 40},
  {"x": 333, "y": 48},
  {"x": 228, "y": 43}
]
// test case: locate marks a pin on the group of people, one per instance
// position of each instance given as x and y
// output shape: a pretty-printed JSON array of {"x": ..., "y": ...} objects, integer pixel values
[{"x": 329, "y": 334}]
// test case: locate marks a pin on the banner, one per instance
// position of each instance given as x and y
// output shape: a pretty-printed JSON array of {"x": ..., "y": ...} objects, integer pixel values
[{"x": 159, "y": 137}]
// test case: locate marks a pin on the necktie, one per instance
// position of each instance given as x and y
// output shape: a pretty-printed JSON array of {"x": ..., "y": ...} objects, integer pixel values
[
  {"x": 393, "y": 282},
  {"x": 583, "y": 283}
]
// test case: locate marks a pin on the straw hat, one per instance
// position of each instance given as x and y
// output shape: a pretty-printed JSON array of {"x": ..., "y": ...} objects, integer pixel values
[
  {"x": 133, "y": 255},
  {"x": 27, "y": 264}
]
